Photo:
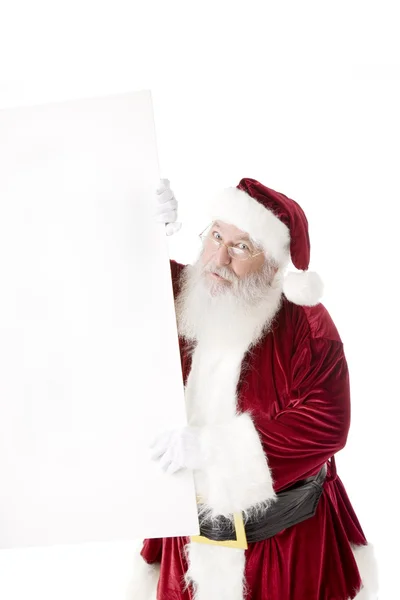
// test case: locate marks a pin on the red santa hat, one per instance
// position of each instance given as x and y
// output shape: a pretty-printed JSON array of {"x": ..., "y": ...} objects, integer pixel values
[{"x": 280, "y": 226}]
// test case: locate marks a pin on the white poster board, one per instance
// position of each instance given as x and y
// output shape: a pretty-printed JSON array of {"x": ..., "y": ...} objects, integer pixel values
[{"x": 89, "y": 357}]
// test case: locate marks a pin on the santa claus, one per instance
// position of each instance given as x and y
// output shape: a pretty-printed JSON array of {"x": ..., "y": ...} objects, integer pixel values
[{"x": 267, "y": 396}]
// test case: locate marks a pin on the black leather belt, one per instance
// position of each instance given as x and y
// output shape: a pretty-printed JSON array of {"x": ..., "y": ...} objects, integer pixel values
[{"x": 293, "y": 505}]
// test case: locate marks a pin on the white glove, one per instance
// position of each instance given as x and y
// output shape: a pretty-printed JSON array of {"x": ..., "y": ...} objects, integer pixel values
[
  {"x": 167, "y": 207},
  {"x": 178, "y": 449}
]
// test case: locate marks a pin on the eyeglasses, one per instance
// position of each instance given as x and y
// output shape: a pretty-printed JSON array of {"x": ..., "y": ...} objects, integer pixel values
[{"x": 233, "y": 251}]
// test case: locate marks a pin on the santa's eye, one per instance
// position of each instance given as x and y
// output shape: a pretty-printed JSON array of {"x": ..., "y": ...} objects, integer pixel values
[
  {"x": 216, "y": 235},
  {"x": 243, "y": 246}
]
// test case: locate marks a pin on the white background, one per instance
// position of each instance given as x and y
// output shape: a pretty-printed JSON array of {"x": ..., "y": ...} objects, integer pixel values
[{"x": 303, "y": 96}]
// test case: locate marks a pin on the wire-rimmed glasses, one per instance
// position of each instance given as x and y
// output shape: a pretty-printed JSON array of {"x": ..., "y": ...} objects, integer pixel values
[{"x": 234, "y": 251}]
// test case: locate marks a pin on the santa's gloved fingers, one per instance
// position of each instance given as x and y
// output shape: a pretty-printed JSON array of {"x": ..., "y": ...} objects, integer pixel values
[
  {"x": 166, "y": 460},
  {"x": 164, "y": 184},
  {"x": 166, "y": 207},
  {"x": 157, "y": 452},
  {"x": 167, "y": 217},
  {"x": 172, "y": 468},
  {"x": 164, "y": 196},
  {"x": 161, "y": 442},
  {"x": 171, "y": 228}
]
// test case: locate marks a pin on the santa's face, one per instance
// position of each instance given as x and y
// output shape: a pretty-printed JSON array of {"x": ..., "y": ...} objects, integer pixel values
[
  {"x": 224, "y": 298},
  {"x": 221, "y": 270}
]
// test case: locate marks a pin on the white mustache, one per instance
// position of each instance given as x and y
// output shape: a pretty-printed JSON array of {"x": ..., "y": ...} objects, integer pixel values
[{"x": 222, "y": 272}]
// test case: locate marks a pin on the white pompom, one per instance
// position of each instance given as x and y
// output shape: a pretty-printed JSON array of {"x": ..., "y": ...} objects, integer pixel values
[{"x": 304, "y": 288}]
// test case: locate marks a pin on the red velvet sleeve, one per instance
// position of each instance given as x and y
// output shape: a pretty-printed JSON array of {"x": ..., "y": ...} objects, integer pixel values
[
  {"x": 176, "y": 270},
  {"x": 315, "y": 423}
]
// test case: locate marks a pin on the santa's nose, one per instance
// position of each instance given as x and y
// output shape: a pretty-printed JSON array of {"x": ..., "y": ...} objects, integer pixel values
[{"x": 223, "y": 257}]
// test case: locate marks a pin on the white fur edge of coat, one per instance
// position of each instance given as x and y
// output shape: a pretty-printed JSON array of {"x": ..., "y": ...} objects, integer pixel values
[
  {"x": 368, "y": 569},
  {"x": 144, "y": 580},
  {"x": 212, "y": 568}
]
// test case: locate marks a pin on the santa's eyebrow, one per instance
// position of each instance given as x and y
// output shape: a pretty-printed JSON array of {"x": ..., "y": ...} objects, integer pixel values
[
  {"x": 245, "y": 237},
  {"x": 242, "y": 238}
]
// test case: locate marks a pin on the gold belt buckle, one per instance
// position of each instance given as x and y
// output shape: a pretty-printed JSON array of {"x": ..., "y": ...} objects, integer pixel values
[{"x": 241, "y": 539}]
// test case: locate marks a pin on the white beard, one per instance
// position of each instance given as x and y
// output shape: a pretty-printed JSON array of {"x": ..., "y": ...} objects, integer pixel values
[
  {"x": 223, "y": 322},
  {"x": 227, "y": 314}
]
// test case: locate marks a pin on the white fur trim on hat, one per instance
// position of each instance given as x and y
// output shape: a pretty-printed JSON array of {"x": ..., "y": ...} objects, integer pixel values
[
  {"x": 304, "y": 288},
  {"x": 238, "y": 208}
]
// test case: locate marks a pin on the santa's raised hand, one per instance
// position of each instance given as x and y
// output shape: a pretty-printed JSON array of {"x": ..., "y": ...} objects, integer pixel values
[{"x": 166, "y": 207}]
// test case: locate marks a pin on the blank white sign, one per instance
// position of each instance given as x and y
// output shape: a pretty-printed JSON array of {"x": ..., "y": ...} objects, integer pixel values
[{"x": 89, "y": 357}]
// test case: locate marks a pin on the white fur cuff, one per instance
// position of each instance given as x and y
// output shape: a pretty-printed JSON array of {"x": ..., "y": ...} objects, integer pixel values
[{"x": 237, "y": 475}]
